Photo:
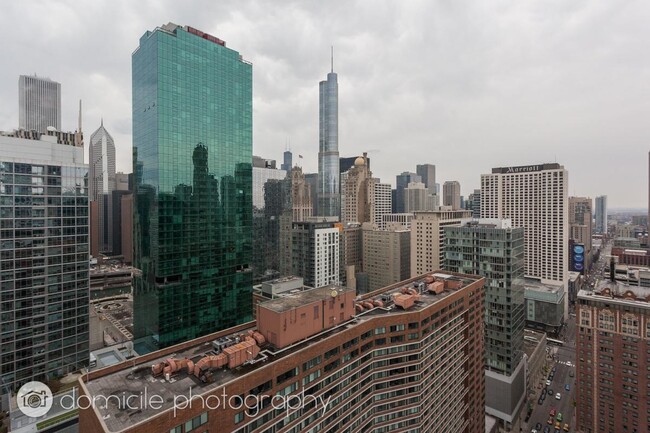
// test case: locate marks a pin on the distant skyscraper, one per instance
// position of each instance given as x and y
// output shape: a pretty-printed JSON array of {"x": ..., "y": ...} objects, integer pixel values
[
  {"x": 44, "y": 283},
  {"x": 39, "y": 103},
  {"x": 386, "y": 254},
  {"x": 192, "y": 145},
  {"x": 315, "y": 252},
  {"x": 451, "y": 194},
  {"x": 475, "y": 203},
  {"x": 401, "y": 182},
  {"x": 533, "y": 197},
  {"x": 288, "y": 161},
  {"x": 428, "y": 174},
  {"x": 328, "y": 149},
  {"x": 601, "y": 214},
  {"x": 417, "y": 198},
  {"x": 101, "y": 183}
]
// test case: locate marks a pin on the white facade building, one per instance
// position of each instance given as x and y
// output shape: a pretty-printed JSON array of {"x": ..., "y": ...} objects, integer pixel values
[
  {"x": 534, "y": 197},
  {"x": 39, "y": 103},
  {"x": 383, "y": 201}
]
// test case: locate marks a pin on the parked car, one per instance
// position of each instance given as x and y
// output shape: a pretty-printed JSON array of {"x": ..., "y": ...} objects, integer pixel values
[
  {"x": 550, "y": 391},
  {"x": 552, "y": 412},
  {"x": 550, "y": 420},
  {"x": 558, "y": 396},
  {"x": 571, "y": 373},
  {"x": 559, "y": 417},
  {"x": 538, "y": 426},
  {"x": 547, "y": 429},
  {"x": 548, "y": 382},
  {"x": 567, "y": 387},
  {"x": 566, "y": 427}
]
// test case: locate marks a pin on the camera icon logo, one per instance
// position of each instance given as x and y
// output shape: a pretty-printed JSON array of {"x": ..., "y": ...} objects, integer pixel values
[{"x": 34, "y": 399}]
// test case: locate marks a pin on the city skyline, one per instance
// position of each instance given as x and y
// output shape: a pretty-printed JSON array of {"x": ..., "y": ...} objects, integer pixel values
[{"x": 524, "y": 86}]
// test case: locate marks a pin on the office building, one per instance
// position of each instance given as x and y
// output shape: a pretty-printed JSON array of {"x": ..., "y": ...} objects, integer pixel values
[
  {"x": 312, "y": 180},
  {"x": 192, "y": 139},
  {"x": 315, "y": 252},
  {"x": 358, "y": 193},
  {"x": 383, "y": 201},
  {"x": 287, "y": 163},
  {"x": 428, "y": 238},
  {"x": 601, "y": 215},
  {"x": 492, "y": 248},
  {"x": 612, "y": 358},
  {"x": 44, "y": 246},
  {"x": 417, "y": 198},
  {"x": 386, "y": 254},
  {"x": 474, "y": 203},
  {"x": 533, "y": 197},
  {"x": 101, "y": 183},
  {"x": 39, "y": 103},
  {"x": 351, "y": 260},
  {"x": 451, "y": 194},
  {"x": 260, "y": 176},
  {"x": 581, "y": 230},
  {"x": 409, "y": 366},
  {"x": 401, "y": 183},
  {"x": 427, "y": 173},
  {"x": 301, "y": 196},
  {"x": 328, "y": 148}
]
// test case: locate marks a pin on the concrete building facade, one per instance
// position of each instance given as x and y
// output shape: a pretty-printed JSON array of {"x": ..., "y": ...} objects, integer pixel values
[
  {"x": 39, "y": 103},
  {"x": 428, "y": 238},
  {"x": 386, "y": 254},
  {"x": 383, "y": 201},
  {"x": 451, "y": 194},
  {"x": 601, "y": 215},
  {"x": 315, "y": 252}
]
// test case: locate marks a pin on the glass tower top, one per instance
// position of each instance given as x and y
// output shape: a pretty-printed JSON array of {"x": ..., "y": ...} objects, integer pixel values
[
  {"x": 329, "y": 198},
  {"x": 192, "y": 153}
]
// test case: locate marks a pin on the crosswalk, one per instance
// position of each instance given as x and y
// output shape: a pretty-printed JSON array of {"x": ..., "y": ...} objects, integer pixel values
[{"x": 567, "y": 363}]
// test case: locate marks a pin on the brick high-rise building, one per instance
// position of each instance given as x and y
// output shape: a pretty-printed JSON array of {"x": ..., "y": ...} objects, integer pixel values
[
  {"x": 386, "y": 254},
  {"x": 612, "y": 359},
  {"x": 407, "y": 358},
  {"x": 451, "y": 194}
]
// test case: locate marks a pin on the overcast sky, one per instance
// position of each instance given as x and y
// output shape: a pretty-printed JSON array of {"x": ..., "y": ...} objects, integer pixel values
[{"x": 464, "y": 85}]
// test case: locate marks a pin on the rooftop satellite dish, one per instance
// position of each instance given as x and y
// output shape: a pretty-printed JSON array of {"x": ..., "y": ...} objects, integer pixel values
[
  {"x": 51, "y": 129},
  {"x": 334, "y": 293}
]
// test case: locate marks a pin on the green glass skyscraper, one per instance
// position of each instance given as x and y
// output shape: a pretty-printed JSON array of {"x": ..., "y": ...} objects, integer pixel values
[{"x": 192, "y": 154}]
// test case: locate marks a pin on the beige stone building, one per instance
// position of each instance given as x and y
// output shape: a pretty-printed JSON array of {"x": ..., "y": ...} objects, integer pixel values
[
  {"x": 427, "y": 238},
  {"x": 386, "y": 254}
]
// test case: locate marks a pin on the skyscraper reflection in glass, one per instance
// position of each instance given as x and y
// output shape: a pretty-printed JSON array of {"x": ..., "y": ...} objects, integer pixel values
[{"x": 192, "y": 153}]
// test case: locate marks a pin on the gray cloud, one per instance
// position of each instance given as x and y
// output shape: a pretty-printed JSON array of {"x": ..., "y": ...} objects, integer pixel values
[{"x": 464, "y": 85}]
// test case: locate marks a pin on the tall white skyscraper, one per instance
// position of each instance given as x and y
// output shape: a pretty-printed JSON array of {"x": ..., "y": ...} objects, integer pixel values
[
  {"x": 102, "y": 183},
  {"x": 39, "y": 103},
  {"x": 601, "y": 214},
  {"x": 329, "y": 199},
  {"x": 534, "y": 197}
]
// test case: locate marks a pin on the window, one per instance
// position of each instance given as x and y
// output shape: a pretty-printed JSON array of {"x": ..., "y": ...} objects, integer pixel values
[{"x": 196, "y": 422}]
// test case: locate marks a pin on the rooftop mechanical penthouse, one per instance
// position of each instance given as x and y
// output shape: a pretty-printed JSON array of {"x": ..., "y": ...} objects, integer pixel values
[{"x": 405, "y": 358}]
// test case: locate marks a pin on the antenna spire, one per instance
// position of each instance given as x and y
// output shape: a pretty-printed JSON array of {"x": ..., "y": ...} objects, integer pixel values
[{"x": 332, "y": 47}]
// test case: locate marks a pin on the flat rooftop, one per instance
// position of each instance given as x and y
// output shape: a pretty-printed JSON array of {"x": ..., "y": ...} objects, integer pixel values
[
  {"x": 136, "y": 375},
  {"x": 618, "y": 289},
  {"x": 293, "y": 300}
]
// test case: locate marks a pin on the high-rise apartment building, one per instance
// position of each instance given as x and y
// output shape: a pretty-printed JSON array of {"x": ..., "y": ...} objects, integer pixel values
[
  {"x": 451, "y": 194},
  {"x": 612, "y": 358},
  {"x": 402, "y": 182},
  {"x": 358, "y": 191},
  {"x": 386, "y": 254},
  {"x": 383, "y": 201},
  {"x": 39, "y": 103},
  {"x": 44, "y": 245},
  {"x": 315, "y": 252},
  {"x": 601, "y": 215},
  {"x": 533, "y": 197},
  {"x": 428, "y": 238},
  {"x": 492, "y": 248},
  {"x": 581, "y": 227},
  {"x": 192, "y": 139},
  {"x": 101, "y": 183},
  {"x": 328, "y": 149},
  {"x": 405, "y": 367}
]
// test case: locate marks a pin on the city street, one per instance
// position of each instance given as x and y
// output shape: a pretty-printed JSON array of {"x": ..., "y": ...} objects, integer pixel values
[{"x": 564, "y": 362}]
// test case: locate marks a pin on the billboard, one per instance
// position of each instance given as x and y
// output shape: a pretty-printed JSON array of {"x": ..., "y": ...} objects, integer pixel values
[{"x": 577, "y": 258}]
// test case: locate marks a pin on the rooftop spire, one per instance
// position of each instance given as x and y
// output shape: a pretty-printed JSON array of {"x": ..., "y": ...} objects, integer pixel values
[
  {"x": 332, "y": 58},
  {"x": 80, "y": 115}
]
